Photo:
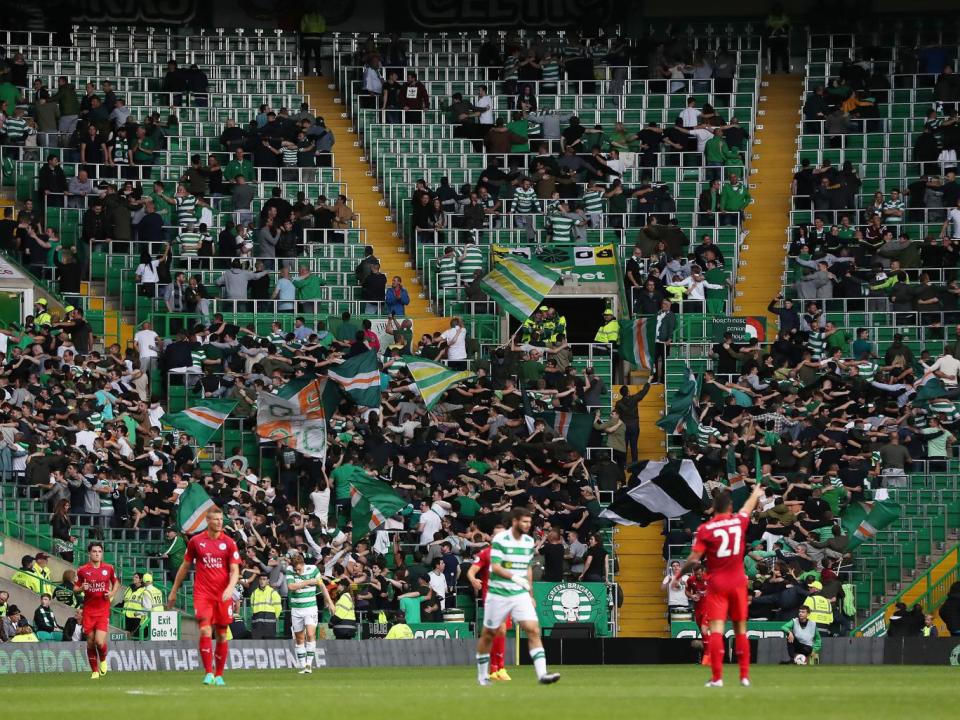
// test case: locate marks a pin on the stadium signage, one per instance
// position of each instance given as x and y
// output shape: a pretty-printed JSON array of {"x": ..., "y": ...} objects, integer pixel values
[
  {"x": 744, "y": 329},
  {"x": 572, "y": 602},
  {"x": 438, "y": 631},
  {"x": 165, "y": 625},
  {"x": 146, "y": 657},
  {"x": 590, "y": 263},
  {"x": 756, "y": 630}
]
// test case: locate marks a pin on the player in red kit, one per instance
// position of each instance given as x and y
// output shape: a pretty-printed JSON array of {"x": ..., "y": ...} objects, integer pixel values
[
  {"x": 218, "y": 568},
  {"x": 722, "y": 541},
  {"x": 99, "y": 583},
  {"x": 479, "y": 577}
]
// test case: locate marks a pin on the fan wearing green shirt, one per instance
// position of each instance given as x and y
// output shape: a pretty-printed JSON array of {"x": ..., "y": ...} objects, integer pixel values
[
  {"x": 734, "y": 199},
  {"x": 309, "y": 285},
  {"x": 717, "y": 153},
  {"x": 239, "y": 165}
]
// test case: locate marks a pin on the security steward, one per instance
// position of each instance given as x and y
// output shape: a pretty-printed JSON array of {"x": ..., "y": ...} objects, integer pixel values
[
  {"x": 265, "y": 609},
  {"x": 821, "y": 611},
  {"x": 609, "y": 332},
  {"x": 133, "y": 611},
  {"x": 343, "y": 613}
]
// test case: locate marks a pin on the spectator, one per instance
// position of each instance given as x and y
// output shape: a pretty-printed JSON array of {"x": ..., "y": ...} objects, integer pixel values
[{"x": 373, "y": 290}]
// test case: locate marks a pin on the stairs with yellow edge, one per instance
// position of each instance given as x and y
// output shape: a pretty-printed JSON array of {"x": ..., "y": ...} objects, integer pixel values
[
  {"x": 369, "y": 203},
  {"x": 115, "y": 328},
  {"x": 640, "y": 549},
  {"x": 761, "y": 256}
]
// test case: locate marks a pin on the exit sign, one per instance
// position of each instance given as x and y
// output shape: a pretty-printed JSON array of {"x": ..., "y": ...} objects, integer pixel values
[{"x": 165, "y": 625}]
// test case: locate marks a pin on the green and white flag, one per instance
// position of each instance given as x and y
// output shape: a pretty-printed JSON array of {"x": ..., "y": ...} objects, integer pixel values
[
  {"x": 637, "y": 339},
  {"x": 201, "y": 422},
  {"x": 862, "y": 524},
  {"x": 359, "y": 377},
  {"x": 192, "y": 509},
  {"x": 519, "y": 285},
  {"x": 372, "y": 501},
  {"x": 683, "y": 407},
  {"x": 433, "y": 379}
]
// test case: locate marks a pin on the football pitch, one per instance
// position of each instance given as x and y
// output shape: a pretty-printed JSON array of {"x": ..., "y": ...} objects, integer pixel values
[{"x": 778, "y": 693}]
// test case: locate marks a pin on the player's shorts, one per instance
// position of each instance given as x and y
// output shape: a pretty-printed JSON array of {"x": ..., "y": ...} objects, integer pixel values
[
  {"x": 300, "y": 618},
  {"x": 726, "y": 603},
  {"x": 213, "y": 611},
  {"x": 498, "y": 608},
  {"x": 96, "y": 620},
  {"x": 700, "y": 614}
]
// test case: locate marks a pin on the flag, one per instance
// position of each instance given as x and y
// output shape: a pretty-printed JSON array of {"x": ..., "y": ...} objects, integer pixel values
[
  {"x": 359, "y": 377},
  {"x": 372, "y": 502},
  {"x": 433, "y": 379},
  {"x": 519, "y": 285},
  {"x": 637, "y": 339},
  {"x": 683, "y": 407},
  {"x": 862, "y": 525},
  {"x": 296, "y": 416},
  {"x": 573, "y": 427},
  {"x": 659, "y": 489},
  {"x": 201, "y": 422},
  {"x": 930, "y": 390},
  {"x": 192, "y": 509}
]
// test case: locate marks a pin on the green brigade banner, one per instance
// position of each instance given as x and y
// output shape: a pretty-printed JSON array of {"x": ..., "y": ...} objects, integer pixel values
[
  {"x": 573, "y": 602},
  {"x": 756, "y": 630},
  {"x": 743, "y": 328},
  {"x": 591, "y": 263}
]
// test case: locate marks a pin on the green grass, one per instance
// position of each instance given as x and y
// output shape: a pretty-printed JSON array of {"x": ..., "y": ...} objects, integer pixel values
[{"x": 658, "y": 691}]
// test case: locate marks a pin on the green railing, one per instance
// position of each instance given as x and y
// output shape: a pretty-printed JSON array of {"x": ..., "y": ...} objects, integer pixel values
[{"x": 925, "y": 591}]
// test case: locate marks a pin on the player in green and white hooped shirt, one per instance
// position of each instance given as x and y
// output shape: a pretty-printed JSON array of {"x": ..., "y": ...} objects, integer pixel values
[
  {"x": 510, "y": 593},
  {"x": 302, "y": 583}
]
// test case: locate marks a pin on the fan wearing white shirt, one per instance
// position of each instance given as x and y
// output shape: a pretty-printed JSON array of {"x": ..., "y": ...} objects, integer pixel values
[
  {"x": 951, "y": 226},
  {"x": 485, "y": 104},
  {"x": 456, "y": 340},
  {"x": 690, "y": 116},
  {"x": 947, "y": 368}
]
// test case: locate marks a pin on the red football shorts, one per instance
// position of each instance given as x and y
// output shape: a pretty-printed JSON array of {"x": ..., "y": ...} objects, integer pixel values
[
  {"x": 96, "y": 620},
  {"x": 213, "y": 611},
  {"x": 726, "y": 603},
  {"x": 700, "y": 613}
]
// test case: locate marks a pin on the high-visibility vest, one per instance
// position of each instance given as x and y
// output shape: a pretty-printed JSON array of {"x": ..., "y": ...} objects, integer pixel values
[
  {"x": 132, "y": 605},
  {"x": 343, "y": 609},
  {"x": 265, "y": 601},
  {"x": 820, "y": 609},
  {"x": 313, "y": 23},
  {"x": 27, "y": 579},
  {"x": 155, "y": 595},
  {"x": 608, "y": 332},
  {"x": 400, "y": 631},
  {"x": 3, "y": 610},
  {"x": 928, "y": 630}
]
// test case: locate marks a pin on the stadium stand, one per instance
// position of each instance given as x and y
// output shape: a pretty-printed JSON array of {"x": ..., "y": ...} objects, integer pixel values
[{"x": 207, "y": 228}]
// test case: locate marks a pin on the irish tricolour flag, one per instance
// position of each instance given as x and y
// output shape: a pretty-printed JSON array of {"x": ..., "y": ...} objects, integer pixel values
[
  {"x": 637, "y": 338},
  {"x": 192, "y": 509},
  {"x": 360, "y": 378},
  {"x": 201, "y": 422}
]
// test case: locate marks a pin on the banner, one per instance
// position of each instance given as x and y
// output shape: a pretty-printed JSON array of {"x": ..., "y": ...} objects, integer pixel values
[
  {"x": 573, "y": 602},
  {"x": 744, "y": 329},
  {"x": 184, "y": 655},
  {"x": 590, "y": 263},
  {"x": 296, "y": 416},
  {"x": 441, "y": 630},
  {"x": 756, "y": 630}
]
